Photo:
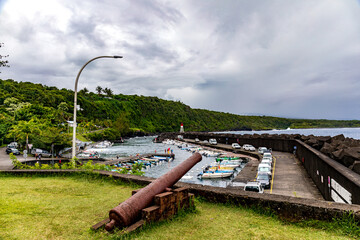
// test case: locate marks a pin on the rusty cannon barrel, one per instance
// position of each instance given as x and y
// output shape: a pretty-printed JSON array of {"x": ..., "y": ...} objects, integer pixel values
[{"x": 128, "y": 211}]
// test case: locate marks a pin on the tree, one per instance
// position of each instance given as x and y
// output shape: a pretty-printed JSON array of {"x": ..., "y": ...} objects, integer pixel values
[
  {"x": 63, "y": 107},
  {"x": 22, "y": 130},
  {"x": 99, "y": 90},
  {"x": 52, "y": 136},
  {"x": 108, "y": 92},
  {"x": 84, "y": 91},
  {"x": 3, "y": 63},
  {"x": 13, "y": 105},
  {"x": 122, "y": 125}
]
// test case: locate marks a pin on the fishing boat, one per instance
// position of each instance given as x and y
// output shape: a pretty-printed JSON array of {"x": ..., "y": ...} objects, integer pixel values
[
  {"x": 161, "y": 158},
  {"x": 227, "y": 158},
  {"x": 103, "y": 144},
  {"x": 216, "y": 174},
  {"x": 221, "y": 167},
  {"x": 88, "y": 154}
]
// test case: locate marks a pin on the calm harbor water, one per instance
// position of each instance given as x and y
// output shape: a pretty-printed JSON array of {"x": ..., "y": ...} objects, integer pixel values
[{"x": 141, "y": 145}]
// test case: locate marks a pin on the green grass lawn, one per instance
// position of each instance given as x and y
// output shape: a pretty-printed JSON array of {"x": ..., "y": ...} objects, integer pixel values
[{"x": 65, "y": 207}]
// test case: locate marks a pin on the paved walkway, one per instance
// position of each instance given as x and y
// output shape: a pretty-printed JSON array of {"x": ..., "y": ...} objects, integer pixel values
[{"x": 291, "y": 179}]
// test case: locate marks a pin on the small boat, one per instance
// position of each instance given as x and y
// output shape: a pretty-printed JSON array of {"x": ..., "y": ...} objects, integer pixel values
[
  {"x": 221, "y": 167},
  {"x": 154, "y": 160},
  {"x": 161, "y": 158},
  {"x": 88, "y": 154},
  {"x": 216, "y": 174},
  {"x": 103, "y": 144},
  {"x": 227, "y": 158}
]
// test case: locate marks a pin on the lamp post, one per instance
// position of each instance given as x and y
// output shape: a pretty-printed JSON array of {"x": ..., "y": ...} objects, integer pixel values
[{"x": 75, "y": 100}]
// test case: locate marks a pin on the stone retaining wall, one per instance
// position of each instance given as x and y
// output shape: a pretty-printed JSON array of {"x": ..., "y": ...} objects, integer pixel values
[{"x": 290, "y": 208}]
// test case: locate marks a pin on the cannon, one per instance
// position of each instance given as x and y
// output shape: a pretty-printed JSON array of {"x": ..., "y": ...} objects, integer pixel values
[{"x": 128, "y": 211}]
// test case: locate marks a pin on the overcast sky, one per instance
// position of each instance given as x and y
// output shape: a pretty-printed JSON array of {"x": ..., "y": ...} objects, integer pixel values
[{"x": 298, "y": 58}]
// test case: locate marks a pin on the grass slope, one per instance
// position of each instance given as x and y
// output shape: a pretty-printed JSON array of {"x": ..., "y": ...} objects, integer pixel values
[{"x": 35, "y": 207}]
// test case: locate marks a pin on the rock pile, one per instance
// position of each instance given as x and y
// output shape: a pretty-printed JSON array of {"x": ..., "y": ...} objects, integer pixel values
[{"x": 344, "y": 150}]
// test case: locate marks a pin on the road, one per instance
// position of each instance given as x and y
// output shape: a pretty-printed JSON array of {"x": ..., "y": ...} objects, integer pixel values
[{"x": 5, "y": 162}]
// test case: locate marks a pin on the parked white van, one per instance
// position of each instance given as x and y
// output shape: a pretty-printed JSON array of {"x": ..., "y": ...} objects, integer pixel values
[
  {"x": 264, "y": 169},
  {"x": 267, "y": 154},
  {"x": 212, "y": 141},
  {"x": 261, "y": 150}
]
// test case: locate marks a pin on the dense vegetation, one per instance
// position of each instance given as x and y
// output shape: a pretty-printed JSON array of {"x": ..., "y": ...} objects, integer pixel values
[{"x": 40, "y": 113}]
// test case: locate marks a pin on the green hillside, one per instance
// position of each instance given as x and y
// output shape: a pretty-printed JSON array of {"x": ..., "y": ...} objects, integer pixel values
[{"x": 41, "y": 111}]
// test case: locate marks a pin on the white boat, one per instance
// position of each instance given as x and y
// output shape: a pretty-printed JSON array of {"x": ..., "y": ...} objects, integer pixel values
[
  {"x": 88, "y": 154},
  {"x": 103, "y": 144},
  {"x": 217, "y": 174}
]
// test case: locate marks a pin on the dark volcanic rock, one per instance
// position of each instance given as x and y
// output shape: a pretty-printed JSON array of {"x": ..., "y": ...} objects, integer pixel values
[
  {"x": 356, "y": 167},
  {"x": 296, "y": 136},
  {"x": 340, "y": 137},
  {"x": 327, "y": 149},
  {"x": 304, "y": 138},
  {"x": 324, "y": 139},
  {"x": 312, "y": 141},
  {"x": 350, "y": 156},
  {"x": 337, "y": 155}
]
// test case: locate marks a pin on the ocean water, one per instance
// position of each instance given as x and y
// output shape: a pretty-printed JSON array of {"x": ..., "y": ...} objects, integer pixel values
[{"x": 348, "y": 132}]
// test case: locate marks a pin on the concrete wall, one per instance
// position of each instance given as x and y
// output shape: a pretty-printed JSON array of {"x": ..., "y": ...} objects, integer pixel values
[
  {"x": 286, "y": 207},
  {"x": 334, "y": 181}
]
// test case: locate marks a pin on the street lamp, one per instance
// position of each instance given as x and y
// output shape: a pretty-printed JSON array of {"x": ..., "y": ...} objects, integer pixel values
[{"x": 75, "y": 100}]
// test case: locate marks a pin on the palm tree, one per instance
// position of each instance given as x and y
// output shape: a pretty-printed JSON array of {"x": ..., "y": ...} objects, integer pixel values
[
  {"x": 108, "y": 92},
  {"x": 62, "y": 108},
  {"x": 22, "y": 130},
  {"x": 99, "y": 90},
  {"x": 85, "y": 90}
]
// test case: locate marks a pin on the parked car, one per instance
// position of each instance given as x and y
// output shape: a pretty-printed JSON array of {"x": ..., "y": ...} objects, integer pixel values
[
  {"x": 264, "y": 169},
  {"x": 212, "y": 141},
  {"x": 264, "y": 180},
  {"x": 261, "y": 150},
  {"x": 205, "y": 142},
  {"x": 235, "y": 146},
  {"x": 13, "y": 150},
  {"x": 254, "y": 187},
  {"x": 267, "y": 162},
  {"x": 267, "y": 159},
  {"x": 41, "y": 152},
  {"x": 13, "y": 145},
  {"x": 197, "y": 140},
  {"x": 249, "y": 147},
  {"x": 267, "y": 154}
]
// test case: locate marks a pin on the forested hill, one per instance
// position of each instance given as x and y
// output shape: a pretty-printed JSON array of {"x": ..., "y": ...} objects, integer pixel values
[{"x": 150, "y": 114}]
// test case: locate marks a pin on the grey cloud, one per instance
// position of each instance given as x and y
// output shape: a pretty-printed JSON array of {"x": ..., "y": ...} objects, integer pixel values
[{"x": 280, "y": 58}]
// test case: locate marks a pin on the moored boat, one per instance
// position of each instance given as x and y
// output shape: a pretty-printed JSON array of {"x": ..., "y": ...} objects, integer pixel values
[{"x": 216, "y": 174}]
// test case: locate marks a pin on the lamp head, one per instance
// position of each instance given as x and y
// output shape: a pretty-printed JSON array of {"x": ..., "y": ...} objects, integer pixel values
[{"x": 118, "y": 57}]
